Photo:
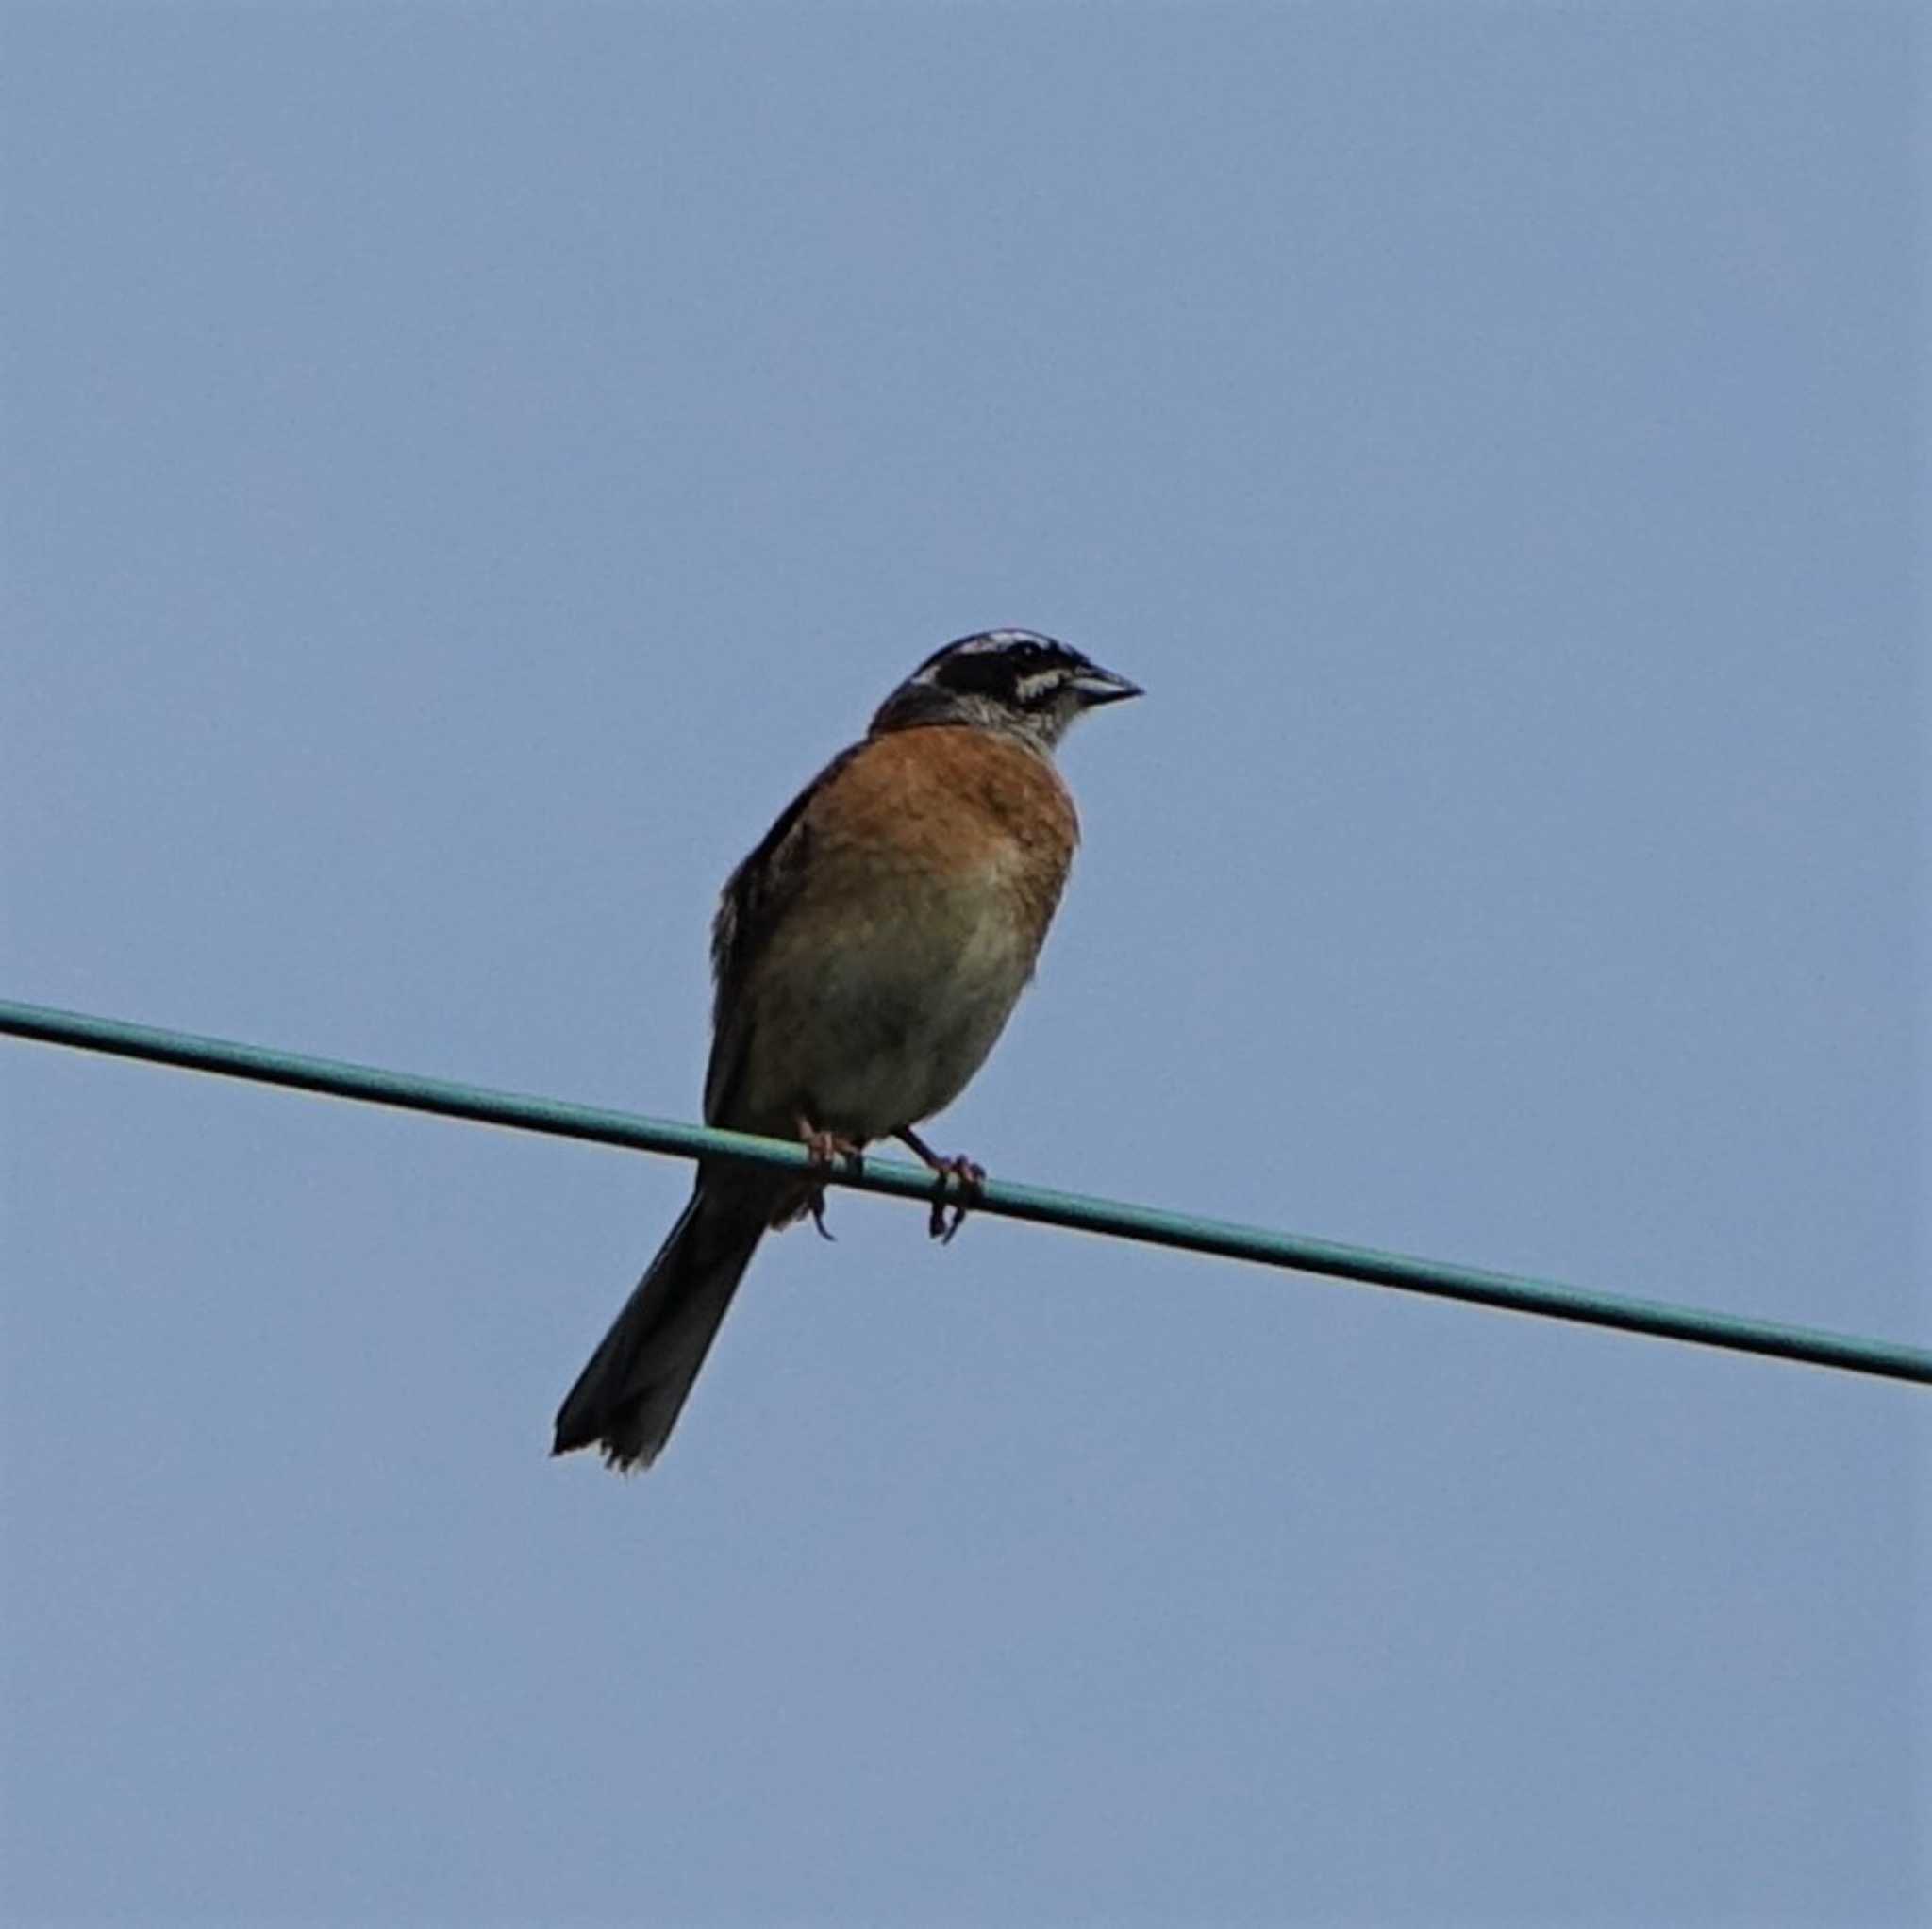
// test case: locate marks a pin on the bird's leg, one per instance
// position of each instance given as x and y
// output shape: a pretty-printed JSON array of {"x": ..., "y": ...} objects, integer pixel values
[
  {"x": 823, "y": 1151},
  {"x": 969, "y": 1174}
]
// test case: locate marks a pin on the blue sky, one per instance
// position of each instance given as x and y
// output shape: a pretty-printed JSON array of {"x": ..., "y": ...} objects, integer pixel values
[{"x": 464, "y": 468}]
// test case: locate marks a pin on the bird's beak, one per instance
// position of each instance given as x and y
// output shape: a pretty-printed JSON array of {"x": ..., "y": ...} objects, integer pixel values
[{"x": 1094, "y": 684}]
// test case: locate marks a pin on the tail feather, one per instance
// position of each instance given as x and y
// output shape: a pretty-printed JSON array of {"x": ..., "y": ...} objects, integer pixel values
[{"x": 627, "y": 1399}]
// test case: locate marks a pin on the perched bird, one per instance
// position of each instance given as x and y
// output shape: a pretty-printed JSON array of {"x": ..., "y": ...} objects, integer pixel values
[{"x": 867, "y": 954}]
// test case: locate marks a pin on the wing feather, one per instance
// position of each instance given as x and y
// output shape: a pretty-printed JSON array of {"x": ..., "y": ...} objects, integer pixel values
[{"x": 754, "y": 900}]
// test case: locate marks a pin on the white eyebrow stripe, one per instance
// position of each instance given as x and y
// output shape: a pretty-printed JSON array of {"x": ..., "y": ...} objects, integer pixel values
[{"x": 1000, "y": 640}]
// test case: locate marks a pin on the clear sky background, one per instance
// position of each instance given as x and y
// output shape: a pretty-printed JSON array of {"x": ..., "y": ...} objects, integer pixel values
[{"x": 464, "y": 468}]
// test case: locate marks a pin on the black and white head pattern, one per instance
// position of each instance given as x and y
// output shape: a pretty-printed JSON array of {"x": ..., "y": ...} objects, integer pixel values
[{"x": 1005, "y": 679}]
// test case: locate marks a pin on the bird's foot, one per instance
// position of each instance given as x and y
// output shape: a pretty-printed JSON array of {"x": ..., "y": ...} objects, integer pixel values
[
  {"x": 823, "y": 1151},
  {"x": 949, "y": 1209}
]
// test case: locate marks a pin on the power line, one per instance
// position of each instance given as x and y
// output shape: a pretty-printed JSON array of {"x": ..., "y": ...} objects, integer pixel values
[{"x": 1436, "y": 1279}]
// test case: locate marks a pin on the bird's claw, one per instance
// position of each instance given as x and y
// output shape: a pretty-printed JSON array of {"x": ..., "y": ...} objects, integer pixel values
[
  {"x": 949, "y": 1212},
  {"x": 823, "y": 1151}
]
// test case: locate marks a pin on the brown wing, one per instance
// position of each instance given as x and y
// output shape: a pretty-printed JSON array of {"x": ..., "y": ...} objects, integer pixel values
[{"x": 755, "y": 899}]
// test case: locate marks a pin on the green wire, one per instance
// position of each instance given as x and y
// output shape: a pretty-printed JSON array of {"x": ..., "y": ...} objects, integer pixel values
[{"x": 1432, "y": 1277}]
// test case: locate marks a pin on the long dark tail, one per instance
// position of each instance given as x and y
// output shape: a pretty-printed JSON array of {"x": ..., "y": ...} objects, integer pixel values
[{"x": 628, "y": 1398}]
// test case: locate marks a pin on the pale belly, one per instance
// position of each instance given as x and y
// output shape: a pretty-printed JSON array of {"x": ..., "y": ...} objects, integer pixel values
[{"x": 865, "y": 1025}]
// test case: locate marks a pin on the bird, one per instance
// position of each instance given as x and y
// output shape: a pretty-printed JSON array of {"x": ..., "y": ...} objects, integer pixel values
[{"x": 866, "y": 957}]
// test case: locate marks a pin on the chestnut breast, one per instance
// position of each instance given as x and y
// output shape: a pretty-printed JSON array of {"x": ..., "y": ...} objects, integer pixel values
[{"x": 931, "y": 862}]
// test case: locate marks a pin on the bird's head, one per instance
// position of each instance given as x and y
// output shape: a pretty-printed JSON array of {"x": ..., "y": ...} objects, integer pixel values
[{"x": 1014, "y": 680}]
